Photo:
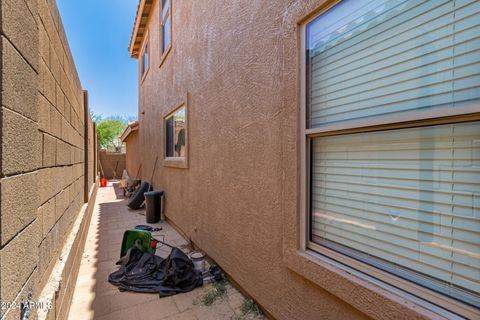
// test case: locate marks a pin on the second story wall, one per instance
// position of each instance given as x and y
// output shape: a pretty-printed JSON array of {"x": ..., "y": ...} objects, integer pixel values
[{"x": 234, "y": 64}]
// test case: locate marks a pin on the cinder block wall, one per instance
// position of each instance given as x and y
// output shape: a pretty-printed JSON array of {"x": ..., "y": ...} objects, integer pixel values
[
  {"x": 42, "y": 146},
  {"x": 113, "y": 164}
]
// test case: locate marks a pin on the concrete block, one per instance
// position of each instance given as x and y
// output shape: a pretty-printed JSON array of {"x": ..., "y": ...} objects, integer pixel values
[
  {"x": 67, "y": 113},
  {"x": 74, "y": 124},
  {"x": 61, "y": 204},
  {"x": 43, "y": 114},
  {"x": 43, "y": 256},
  {"x": 33, "y": 7},
  {"x": 29, "y": 286},
  {"x": 19, "y": 82},
  {"x": 46, "y": 184},
  {"x": 46, "y": 213},
  {"x": 19, "y": 204},
  {"x": 19, "y": 260},
  {"x": 64, "y": 58},
  {"x": 64, "y": 79},
  {"x": 41, "y": 76},
  {"x": 78, "y": 157},
  {"x": 49, "y": 86},
  {"x": 44, "y": 44},
  {"x": 53, "y": 238},
  {"x": 21, "y": 144},
  {"x": 45, "y": 16},
  {"x": 55, "y": 123},
  {"x": 49, "y": 151},
  {"x": 54, "y": 241},
  {"x": 80, "y": 127},
  {"x": 66, "y": 130},
  {"x": 78, "y": 170},
  {"x": 60, "y": 99},
  {"x": 63, "y": 153},
  {"x": 61, "y": 175},
  {"x": 71, "y": 194},
  {"x": 59, "y": 50},
  {"x": 19, "y": 25},
  {"x": 54, "y": 64},
  {"x": 65, "y": 219},
  {"x": 68, "y": 176},
  {"x": 72, "y": 154},
  {"x": 74, "y": 138},
  {"x": 53, "y": 11}
]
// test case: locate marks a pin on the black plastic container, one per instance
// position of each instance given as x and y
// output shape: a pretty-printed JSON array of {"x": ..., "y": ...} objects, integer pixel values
[
  {"x": 153, "y": 204},
  {"x": 138, "y": 197}
]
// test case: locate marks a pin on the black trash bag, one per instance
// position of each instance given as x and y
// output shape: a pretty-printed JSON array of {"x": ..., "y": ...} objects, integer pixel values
[{"x": 146, "y": 272}]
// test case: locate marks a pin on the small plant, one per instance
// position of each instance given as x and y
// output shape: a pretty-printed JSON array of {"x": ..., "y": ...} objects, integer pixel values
[
  {"x": 248, "y": 306},
  {"x": 219, "y": 290}
]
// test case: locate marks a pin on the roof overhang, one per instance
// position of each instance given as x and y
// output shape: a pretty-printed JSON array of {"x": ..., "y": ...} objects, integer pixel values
[
  {"x": 132, "y": 126},
  {"x": 139, "y": 27}
]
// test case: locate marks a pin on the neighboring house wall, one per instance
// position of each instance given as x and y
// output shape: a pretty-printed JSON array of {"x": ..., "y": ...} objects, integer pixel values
[
  {"x": 133, "y": 154},
  {"x": 113, "y": 164},
  {"x": 42, "y": 157}
]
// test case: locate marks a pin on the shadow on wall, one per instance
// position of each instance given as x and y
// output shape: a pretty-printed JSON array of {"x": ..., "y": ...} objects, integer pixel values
[{"x": 112, "y": 163}]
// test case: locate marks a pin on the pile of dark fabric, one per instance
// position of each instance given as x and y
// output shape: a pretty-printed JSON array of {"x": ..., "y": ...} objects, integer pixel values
[{"x": 145, "y": 272}]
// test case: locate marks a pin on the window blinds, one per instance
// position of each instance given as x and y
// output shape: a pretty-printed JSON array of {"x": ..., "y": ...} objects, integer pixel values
[
  {"x": 407, "y": 200},
  {"x": 410, "y": 197},
  {"x": 371, "y": 59}
]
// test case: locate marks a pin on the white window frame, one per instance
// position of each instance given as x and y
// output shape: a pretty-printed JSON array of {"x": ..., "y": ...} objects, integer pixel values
[
  {"x": 146, "y": 47},
  {"x": 429, "y": 298},
  {"x": 165, "y": 51},
  {"x": 177, "y": 162}
]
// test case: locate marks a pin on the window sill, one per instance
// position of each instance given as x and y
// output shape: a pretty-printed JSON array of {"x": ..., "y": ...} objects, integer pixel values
[
  {"x": 370, "y": 296},
  {"x": 164, "y": 56},
  {"x": 144, "y": 76},
  {"x": 176, "y": 162}
]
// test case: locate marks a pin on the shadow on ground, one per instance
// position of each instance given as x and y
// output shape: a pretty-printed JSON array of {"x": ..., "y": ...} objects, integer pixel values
[{"x": 95, "y": 298}]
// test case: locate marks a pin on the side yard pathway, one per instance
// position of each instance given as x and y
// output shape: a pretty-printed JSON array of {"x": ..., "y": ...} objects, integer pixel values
[{"x": 95, "y": 298}]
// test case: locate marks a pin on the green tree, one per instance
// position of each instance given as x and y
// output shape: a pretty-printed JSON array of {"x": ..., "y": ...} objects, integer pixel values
[{"x": 109, "y": 131}]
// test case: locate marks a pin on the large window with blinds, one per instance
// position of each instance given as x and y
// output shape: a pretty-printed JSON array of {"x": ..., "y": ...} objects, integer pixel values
[{"x": 392, "y": 130}]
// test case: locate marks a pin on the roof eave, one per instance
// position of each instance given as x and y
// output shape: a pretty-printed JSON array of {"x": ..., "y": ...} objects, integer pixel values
[
  {"x": 143, "y": 11},
  {"x": 133, "y": 126}
]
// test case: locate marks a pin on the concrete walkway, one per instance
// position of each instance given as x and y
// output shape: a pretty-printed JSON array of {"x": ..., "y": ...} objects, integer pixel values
[{"x": 95, "y": 298}]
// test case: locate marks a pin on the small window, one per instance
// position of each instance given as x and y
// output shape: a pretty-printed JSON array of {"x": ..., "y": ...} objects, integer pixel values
[
  {"x": 176, "y": 135},
  {"x": 166, "y": 26},
  {"x": 145, "y": 60}
]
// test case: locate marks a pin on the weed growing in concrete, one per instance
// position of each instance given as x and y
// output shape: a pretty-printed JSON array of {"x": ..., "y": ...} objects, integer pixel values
[
  {"x": 250, "y": 311},
  {"x": 250, "y": 307},
  {"x": 218, "y": 291}
]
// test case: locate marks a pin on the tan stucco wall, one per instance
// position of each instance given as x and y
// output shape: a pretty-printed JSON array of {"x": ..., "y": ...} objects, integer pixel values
[
  {"x": 42, "y": 147},
  {"x": 238, "y": 62},
  {"x": 133, "y": 154}
]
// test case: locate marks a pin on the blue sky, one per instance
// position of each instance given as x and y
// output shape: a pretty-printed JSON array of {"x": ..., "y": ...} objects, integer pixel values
[{"x": 99, "y": 33}]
